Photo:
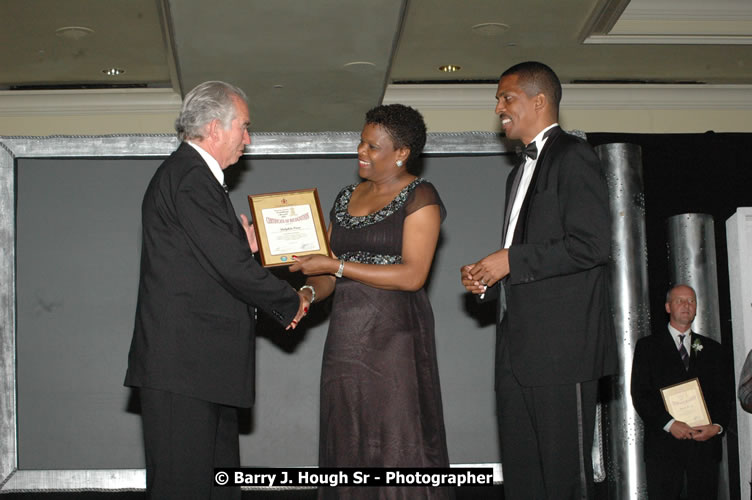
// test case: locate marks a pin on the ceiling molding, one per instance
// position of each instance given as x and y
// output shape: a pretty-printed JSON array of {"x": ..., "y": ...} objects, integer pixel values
[
  {"x": 436, "y": 96},
  {"x": 88, "y": 102},
  {"x": 669, "y": 39},
  {"x": 581, "y": 96},
  {"x": 604, "y": 16}
]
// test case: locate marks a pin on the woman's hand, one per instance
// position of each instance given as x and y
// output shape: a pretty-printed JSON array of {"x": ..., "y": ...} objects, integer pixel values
[
  {"x": 305, "y": 303},
  {"x": 312, "y": 265}
]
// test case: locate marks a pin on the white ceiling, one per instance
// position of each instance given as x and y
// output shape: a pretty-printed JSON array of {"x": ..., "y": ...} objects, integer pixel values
[{"x": 316, "y": 65}]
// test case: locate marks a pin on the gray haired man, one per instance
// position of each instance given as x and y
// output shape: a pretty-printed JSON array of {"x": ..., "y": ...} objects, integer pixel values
[{"x": 192, "y": 353}]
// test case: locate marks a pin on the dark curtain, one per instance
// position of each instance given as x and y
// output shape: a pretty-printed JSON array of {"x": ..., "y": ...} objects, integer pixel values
[{"x": 707, "y": 173}]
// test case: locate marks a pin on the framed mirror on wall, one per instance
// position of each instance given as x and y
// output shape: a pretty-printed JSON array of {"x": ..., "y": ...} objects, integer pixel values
[{"x": 70, "y": 233}]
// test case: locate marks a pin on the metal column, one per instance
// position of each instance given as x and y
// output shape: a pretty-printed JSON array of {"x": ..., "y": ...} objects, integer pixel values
[
  {"x": 622, "y": 165},
  {"x": 692, "y": 261}
]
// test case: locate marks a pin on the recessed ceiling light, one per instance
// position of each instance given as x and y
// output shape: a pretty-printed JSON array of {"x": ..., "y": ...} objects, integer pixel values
[
  {"x": 73, "y": 32},
  {"x": 359, "y": 66},
  {"x": 449, "y": 68},
  {"x": 113, "y": 71},
  {"x": 490, "y": 29}
]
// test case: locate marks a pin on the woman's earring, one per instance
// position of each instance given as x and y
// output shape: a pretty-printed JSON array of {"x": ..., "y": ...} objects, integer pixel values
[{"x": 399, "y": 163}]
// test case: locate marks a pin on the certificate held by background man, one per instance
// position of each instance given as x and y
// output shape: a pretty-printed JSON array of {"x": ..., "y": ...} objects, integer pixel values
[{"x": 288, "y": 223}]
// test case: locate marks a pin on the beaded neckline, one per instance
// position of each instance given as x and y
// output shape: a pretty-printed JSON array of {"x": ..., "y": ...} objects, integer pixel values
[{"x": 357, "y": 221}]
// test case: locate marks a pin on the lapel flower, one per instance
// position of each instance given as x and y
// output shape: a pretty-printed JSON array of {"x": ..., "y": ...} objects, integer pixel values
[{"x": 697, "y": 346}]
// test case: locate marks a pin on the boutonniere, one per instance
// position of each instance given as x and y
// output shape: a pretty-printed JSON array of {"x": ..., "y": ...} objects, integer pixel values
[{"x": 697, "y": 346}]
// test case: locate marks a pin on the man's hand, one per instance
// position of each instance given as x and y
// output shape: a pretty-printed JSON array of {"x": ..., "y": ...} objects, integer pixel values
[
  {"x": 469, "y": 283},
  {"x": 250, "y": 234},
  {"x": 680, "y": 430},
  {"x": 705, "y": 432},
  {"x": 485, "y": 272}
]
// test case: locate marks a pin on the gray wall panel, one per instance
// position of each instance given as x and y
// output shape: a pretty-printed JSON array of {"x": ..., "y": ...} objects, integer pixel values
[{"x": 78, "y": 243}]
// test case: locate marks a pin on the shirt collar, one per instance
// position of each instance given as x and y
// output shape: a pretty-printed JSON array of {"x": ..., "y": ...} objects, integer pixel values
[
  {"x": 211, "y": 162},
  {"x": 675, "y": 333},
  {"x": 539, "y": 140}
]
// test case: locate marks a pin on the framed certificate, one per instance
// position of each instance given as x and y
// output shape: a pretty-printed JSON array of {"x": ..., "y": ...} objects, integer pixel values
[
  {"x": 686, "y": 403},
  {"x": 287, "y": 224}
]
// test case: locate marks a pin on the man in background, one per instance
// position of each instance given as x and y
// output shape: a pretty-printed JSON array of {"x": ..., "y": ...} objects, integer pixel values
[{"x": 672, "y": 449}]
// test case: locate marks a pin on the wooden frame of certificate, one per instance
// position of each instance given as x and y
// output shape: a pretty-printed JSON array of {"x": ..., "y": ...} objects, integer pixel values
[
  {"x": 685, "y": 402},
  {"x": 288, "y": 223}
]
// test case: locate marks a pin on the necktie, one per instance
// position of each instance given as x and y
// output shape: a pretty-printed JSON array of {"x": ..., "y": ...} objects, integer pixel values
[
  {"x": 530, "y": 151},
  {"x": 224, "y": 186},
  {"x": 683, "y": 353}
]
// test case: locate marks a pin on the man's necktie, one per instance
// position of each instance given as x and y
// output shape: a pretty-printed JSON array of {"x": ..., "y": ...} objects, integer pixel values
[
  {"x": 530, "y": 151},
  {"x": 683, "y": 353},
  {"x": 224, "y": 186}
]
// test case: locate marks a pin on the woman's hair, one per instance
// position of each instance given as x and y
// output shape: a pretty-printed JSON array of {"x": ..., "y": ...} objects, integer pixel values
[
  {"x": 404, "y": 125},
  {"x": 209, "y": 101}
]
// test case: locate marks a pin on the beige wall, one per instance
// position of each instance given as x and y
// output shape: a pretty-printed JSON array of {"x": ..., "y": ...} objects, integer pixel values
[
  {"x": 92, "y": 112},
  {"x": 447, "y": 108},
  {"x": 616, "y": 120},
  {"x": 592, "y": 108}
]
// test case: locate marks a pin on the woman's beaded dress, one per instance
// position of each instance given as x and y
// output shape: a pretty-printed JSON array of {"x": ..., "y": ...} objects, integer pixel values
[{"x": 380, "y": 393}]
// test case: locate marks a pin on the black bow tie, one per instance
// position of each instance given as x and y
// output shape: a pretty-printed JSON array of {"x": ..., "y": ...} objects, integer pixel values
[{"x": 531, "y": 151}]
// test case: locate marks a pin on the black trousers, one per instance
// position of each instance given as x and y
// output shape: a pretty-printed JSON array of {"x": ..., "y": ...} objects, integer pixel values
[
  {"x": 184, "y": 440},
  {"x": 665, "y": 475},
  {"x": 546, "y": 437}
]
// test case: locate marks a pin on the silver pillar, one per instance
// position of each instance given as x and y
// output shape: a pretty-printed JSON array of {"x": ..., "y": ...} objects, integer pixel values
[
  {"x": 630, "y": 304},
  {"x": 691, "y": 257},
  {"x": 691, "y": 261}
]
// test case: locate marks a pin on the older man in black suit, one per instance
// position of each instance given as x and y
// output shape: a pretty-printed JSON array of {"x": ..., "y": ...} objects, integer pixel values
[
  {"x": 672, "y": 448},
  {"x": 192, "y": 353},
  {"x": 555, "y": 333}
]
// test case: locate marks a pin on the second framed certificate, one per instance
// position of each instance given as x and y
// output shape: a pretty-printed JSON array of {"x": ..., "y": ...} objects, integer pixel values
[
  {"x": 288, "y": 223},
  {"x": 686, "y": 403}
]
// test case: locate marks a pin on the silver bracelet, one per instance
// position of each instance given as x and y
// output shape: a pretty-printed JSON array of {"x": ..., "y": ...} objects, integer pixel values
[
  {"x": 341, "y": 268},
  {"x": 313, "y": 292}
]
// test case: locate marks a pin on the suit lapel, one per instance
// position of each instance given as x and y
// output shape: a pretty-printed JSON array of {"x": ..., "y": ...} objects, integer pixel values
[
  {"x": 672, "y": 353},
  {"x": 540, "y": 165},
  {"x": 517, "y": 173},
  {"x": 213, "y": 183},
  {"x": 693, "y": 354}
]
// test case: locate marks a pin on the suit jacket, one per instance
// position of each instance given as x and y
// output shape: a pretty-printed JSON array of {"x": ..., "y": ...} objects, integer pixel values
[
  {"x": 656, "y": 364},
  {"x": 554, "y": 313},
  {"x": 194, "y": 331},
  {"x": 745, "y": 384}
]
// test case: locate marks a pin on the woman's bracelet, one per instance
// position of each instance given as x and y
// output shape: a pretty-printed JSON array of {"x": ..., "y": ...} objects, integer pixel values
[
  {"x": 313, "y": 291},
  {"x": 341, "y": 268}
]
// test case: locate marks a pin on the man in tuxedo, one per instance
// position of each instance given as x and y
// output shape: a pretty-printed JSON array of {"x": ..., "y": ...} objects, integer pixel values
[
  {"x": 192, "y": 353},
  {"x": 554, "y": 331},
  {"x": 672, "y": 448}
]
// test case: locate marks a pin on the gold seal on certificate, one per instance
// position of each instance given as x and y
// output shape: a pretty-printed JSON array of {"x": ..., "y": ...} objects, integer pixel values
[
  {"x": 686, "y": 403},
  {"x": 287, "y": 224}
]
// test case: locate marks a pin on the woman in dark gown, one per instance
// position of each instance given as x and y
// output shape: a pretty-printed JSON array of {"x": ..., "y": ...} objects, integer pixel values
[{"x": 380, "y": 393}]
